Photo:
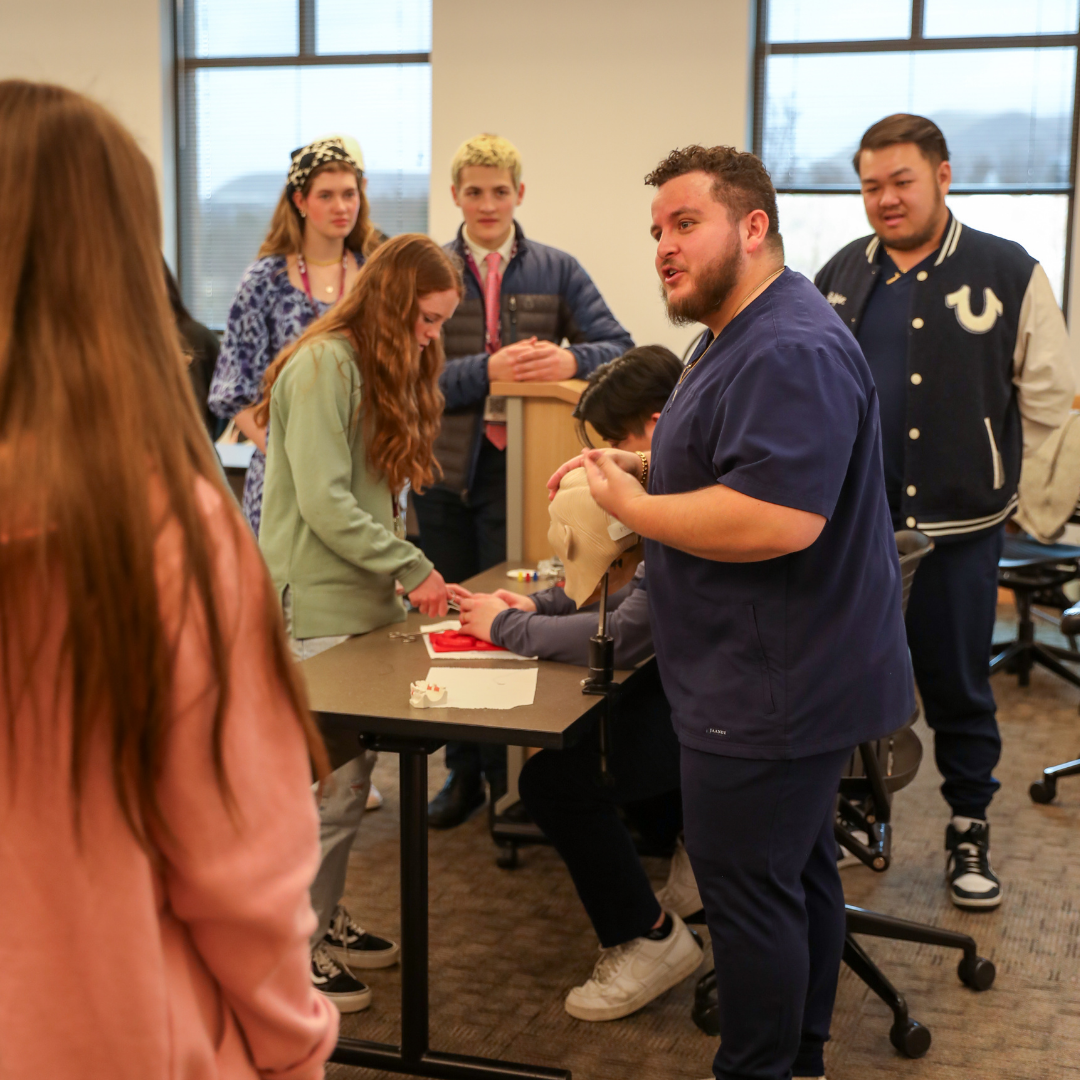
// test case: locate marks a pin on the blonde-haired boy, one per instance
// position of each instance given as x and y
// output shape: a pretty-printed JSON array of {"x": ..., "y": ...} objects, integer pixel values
[
  {"x": 492, "y": 151},
  {"x": 523, "y": 300}
]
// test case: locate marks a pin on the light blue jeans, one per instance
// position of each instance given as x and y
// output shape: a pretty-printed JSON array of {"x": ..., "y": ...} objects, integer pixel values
[{"x": 342, "y": 804}]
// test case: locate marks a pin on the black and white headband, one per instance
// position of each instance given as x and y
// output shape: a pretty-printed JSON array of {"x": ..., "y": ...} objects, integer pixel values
[{"x": 308, "y": 158}]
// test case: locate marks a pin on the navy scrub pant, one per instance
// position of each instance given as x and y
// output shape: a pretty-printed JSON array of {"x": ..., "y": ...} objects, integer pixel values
[
  {"x": 760, "y": 839},
  {"x": 464, "y": 537},
  {"x": 950, "y": 626}
]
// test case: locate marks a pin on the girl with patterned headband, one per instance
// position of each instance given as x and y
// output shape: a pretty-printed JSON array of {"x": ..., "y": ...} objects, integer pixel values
[{"x": 318, "y": 238}]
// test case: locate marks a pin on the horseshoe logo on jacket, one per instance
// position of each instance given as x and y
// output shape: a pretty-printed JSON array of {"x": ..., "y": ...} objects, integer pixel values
[{"x": 960, "y": 301}]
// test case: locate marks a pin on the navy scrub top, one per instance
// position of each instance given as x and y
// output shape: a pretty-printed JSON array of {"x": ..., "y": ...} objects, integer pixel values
[{"x": 806, "y": 653}]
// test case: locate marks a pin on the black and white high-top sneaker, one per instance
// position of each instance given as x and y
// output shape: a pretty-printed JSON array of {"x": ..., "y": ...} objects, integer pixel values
[
  {"x": 972, "y": 882},
  {"x": 338, "y": 984}
]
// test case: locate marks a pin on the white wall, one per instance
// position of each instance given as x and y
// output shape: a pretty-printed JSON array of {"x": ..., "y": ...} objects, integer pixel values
[
  {"x": 593, "y": 94},
  {"x": 115, "y": 51}
]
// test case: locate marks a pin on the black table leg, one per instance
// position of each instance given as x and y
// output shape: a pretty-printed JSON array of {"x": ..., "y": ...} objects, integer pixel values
[
  {"x": 414, "y": 1057},
  {"x": 414, "y": 906}
]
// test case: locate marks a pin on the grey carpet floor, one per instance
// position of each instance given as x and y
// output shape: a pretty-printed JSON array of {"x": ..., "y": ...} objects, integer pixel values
[{"x": 507, "y": 945}]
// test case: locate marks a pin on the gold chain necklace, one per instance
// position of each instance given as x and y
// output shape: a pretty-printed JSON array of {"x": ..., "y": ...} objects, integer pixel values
[
  {"x": 742, "y": 303},
  {"x": 332, "y": 262}
]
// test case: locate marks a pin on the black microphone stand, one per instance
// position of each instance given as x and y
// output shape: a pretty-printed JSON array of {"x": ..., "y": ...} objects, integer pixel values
[{"x": 601, "y": 680}]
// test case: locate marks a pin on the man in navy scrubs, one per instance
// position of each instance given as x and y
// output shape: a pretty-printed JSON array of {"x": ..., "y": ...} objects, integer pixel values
[{"x": 775, "y": 597}]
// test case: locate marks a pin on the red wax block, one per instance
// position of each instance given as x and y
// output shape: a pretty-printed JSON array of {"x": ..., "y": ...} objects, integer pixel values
[{"x": 457, "y": 641}]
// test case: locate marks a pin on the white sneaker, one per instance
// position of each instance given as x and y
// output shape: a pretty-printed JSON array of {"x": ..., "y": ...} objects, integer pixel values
[
  {"x": 627, "y": 977},
  {"x": 680, "y": 894},
  {"x": 374, "y": 798}
]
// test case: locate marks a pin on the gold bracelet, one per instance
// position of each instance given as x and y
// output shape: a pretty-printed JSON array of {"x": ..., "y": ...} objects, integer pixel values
[{"x": 644, "y": 469}]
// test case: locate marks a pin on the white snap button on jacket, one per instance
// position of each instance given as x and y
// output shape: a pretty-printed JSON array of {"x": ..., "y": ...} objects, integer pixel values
[
  {"x": 914, "y": 433},
  {"x": 922, "y": 275},
  {"x": 911, "y": 523},
  {"x": 911, "y": 489},
  {"x": 917, "y": 323},
  {"x": 916, "y": 378}
]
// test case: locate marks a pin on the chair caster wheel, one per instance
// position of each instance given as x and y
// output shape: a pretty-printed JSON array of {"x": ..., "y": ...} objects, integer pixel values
[
  {"x": 1043, "y": 791},
  {"x": 910, "y": 1038},
  {"x": 977, "y": 972},
  {"x": 706, "y": 1011},
  {"x": 507, "y": 857}
]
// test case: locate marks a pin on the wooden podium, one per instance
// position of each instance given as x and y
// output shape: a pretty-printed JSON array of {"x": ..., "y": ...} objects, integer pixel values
[{"x": 540, "y": 435}]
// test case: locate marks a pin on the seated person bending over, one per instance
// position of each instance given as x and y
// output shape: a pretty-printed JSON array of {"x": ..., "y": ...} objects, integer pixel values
[{"x": 645, "y": 948}]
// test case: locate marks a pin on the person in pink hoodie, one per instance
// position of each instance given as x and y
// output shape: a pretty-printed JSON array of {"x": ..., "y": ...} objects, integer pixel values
[{"x": 158, "y": 835}]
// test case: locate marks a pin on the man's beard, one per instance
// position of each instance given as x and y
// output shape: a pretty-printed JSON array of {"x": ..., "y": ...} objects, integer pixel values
[
  {"x": 715, "y": 286},
  {"x": 923, "y": 236}
]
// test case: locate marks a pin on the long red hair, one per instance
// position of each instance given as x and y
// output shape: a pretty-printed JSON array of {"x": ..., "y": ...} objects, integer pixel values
[
  {"x": 401, "y": 400},
  {"x": 98, "y": 427}
]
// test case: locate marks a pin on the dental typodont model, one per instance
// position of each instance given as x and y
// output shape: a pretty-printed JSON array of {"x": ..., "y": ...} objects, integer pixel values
[{"x": 425, "y": 695}]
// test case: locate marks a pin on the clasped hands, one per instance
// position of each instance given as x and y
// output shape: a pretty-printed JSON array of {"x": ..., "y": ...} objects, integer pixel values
[{"x": 531, "y": 360}]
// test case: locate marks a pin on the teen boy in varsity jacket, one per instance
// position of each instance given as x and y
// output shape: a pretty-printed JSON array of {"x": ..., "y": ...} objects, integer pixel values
[
  {"x": 522, "y": 299},
  {"x": 969, "y": 353}
]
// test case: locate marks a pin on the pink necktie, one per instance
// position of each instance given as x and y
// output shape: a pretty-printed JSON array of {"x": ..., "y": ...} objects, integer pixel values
[
  {"x": 492, "y": 289},
  {"x": 496, "y": 433}
]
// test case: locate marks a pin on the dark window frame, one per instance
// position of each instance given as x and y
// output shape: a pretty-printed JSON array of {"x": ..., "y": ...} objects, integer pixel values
[
  {"x": 917, "y": 42},
  {"x": 185, "y": 64}
]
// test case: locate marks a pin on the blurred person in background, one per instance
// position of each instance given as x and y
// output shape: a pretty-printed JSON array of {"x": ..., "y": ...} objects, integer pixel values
[{"x": 201, "y": 347}]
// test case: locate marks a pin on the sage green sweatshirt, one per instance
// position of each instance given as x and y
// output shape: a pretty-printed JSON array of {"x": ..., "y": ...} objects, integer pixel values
[{"x": 329, "y": 532}]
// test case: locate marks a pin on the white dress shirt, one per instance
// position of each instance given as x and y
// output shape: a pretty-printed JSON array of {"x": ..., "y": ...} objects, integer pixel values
[{"x": 480, "y": 253}]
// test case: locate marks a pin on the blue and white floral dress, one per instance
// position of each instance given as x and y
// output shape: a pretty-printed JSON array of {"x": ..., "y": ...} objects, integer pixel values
[{"x": 267, "y": 314}]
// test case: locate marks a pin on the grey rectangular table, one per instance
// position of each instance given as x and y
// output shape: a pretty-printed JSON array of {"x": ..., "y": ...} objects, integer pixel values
[{"x": 359, "y": 692}]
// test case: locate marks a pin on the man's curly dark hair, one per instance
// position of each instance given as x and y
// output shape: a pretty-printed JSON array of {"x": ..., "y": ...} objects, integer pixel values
[{"x": 740, "y": 180}]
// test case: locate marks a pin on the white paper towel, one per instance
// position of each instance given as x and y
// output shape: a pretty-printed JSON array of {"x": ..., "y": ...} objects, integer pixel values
[{"x": 485, "y": 688}]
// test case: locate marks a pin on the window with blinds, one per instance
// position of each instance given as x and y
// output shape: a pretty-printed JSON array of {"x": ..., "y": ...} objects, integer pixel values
[
  {"x": 258, "y": 78},
  {"x": 998, "y": 77}
]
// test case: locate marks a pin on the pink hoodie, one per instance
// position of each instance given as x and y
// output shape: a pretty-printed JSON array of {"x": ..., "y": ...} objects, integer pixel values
[{"x": 193, "y": 964}]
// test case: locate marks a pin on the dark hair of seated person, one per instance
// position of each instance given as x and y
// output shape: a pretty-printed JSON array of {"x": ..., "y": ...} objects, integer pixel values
[{"x": 623, "y": 393}]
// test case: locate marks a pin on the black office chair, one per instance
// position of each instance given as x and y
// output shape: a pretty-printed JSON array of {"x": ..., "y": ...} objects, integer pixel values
[
  {"x": 1044, "y": 790},
  {"x": 864, "y": 805},
  {"x": 1036, "y": 573}
]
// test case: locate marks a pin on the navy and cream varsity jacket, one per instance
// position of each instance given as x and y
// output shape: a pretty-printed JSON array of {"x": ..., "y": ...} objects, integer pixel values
[{"x": 989, "y": 373}]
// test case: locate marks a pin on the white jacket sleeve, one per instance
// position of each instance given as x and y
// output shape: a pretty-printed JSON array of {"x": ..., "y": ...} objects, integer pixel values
[{"x": 1042, "y": 366}]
